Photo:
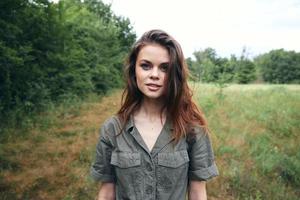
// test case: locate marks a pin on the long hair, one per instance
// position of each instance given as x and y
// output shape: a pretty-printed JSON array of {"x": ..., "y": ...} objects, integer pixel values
[{"x": 178, "y": 103}]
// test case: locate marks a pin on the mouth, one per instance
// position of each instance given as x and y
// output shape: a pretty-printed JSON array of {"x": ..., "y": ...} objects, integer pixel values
[{"x": 153, "y": 87}]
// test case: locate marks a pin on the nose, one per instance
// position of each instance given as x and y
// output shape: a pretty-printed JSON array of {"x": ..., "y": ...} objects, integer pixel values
[{"x": 154, "y": 73}]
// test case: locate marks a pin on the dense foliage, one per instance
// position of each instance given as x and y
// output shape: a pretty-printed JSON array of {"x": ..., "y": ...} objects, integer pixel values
[
  {"x": 52, "y": 51},
  {"x": 276, "y": 66},
  {"x": 280, "y": 66}
]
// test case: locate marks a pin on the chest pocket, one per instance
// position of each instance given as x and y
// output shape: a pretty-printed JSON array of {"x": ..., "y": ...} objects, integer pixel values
[
  {"x": 127, "y": 167},
  {"x": 173, "y": 160},
  {"x": 125, "y": 159},
  {"x": 172, "y": 170}
]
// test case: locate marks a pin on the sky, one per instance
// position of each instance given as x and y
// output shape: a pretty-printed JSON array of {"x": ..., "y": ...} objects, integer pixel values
[{"x": 228, "y": 26}]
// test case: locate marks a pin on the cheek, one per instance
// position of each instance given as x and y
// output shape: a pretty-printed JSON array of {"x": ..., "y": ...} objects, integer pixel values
[
  {"x": 165, "y": 80},
  {"x": 165, "y": 85},
  {"x": 138, "y": 78},
  {"x": 164, "y": 77},
  {"x": 138, "y": 82},
  {"x": 140, "y": 74}
]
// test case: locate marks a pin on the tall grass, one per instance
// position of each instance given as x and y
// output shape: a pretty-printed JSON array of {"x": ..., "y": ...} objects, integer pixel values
[
  {"x": 38, "y": 157},
  {"x": 21, "y": 121},
  {"x": 254, "y": 128},
  {"x": 256, "y": 137}
]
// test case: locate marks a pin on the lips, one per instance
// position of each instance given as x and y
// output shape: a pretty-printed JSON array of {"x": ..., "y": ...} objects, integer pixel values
[{"x": 153, "y": 87}]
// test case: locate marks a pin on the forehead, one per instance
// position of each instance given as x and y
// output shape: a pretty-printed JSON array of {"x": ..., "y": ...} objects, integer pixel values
[{"x": 154, "y": 53}]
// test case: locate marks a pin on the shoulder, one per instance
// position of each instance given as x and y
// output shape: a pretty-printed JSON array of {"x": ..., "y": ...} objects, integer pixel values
[
  {"x": 196, "y": 133},
  {"x": 111, "y": 121},
  {"x": 111, "y": 126},
  {"x": 198, "y": 130}
]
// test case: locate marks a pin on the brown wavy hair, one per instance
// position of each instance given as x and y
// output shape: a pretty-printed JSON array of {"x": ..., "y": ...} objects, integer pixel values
[{"x": 181, "y": 109}]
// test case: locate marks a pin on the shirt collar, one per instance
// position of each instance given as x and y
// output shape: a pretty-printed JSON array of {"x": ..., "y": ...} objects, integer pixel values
[
  {"x": 169, "y": 125},
  {"x": 130, "y": 124}
]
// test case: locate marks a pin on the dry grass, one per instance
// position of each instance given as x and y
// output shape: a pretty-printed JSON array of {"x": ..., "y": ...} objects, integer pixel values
[
  {"x": 54, "y": 163},
  {"x": 48, "y": 168},
  {"x": 245, "y": 87}
]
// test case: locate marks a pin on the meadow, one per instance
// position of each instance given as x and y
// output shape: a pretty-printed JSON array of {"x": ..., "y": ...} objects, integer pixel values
[{"x": 255, "y": 130}]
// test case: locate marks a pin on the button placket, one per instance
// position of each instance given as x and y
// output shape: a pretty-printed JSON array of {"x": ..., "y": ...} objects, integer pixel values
[
  {"x": 150, "y": 186},
  {"x": 149, "y": 189},
  {"x": 148, "y": 167}
]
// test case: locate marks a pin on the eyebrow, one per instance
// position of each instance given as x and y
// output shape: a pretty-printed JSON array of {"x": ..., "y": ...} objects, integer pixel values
[{"x": 147, "y": 61}]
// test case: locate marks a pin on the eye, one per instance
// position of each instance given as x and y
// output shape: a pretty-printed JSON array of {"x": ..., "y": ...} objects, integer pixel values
[
  {"x": 164, "y": 67},
  {"x": 145, "y": 66}
]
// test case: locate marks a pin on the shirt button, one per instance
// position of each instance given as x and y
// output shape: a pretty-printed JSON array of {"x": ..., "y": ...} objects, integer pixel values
[
  {"x": 149, "y": 189},
  {"x": 148, "y": 167}
]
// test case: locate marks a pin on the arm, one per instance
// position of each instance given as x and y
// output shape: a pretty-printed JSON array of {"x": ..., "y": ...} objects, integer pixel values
[
  {"x": 101, "y": 170},
  {"x": 107, "y": 192},
  {"x": 202, "y": 165},
  {"x": 197, "y": 190}
]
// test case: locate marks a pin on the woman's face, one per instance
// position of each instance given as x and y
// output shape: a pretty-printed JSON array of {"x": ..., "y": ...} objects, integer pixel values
[{"x": 150, "y": 69}]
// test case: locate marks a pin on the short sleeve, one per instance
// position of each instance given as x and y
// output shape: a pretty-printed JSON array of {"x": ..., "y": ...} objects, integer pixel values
[
  {"x": 202, "y": 165},
  {"x": 101, "y": 169}
]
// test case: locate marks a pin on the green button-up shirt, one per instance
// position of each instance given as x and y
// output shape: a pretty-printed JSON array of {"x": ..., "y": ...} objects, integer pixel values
[{"x": 160, "y": 174}]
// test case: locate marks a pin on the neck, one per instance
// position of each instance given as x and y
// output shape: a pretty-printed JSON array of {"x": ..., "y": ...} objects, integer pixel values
[{"x": 151, "y": 108}]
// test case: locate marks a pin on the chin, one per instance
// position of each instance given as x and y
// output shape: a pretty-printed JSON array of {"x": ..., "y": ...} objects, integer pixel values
[{"x": 153, "y": 96}]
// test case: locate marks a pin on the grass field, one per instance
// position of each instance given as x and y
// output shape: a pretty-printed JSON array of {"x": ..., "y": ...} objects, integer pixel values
[{"x": 255, "y": 131}]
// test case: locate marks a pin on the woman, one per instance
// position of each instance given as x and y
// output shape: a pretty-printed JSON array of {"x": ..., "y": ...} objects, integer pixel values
[{"x": 157, "y": 146}]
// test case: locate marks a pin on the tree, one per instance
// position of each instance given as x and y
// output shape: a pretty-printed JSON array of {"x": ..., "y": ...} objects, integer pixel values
[
  {"x": 245, "y": 70},
  {"x": 279, "y": 66},
  {"x": 209, "y": 67},
  {"x": 50, "y": 51}
]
